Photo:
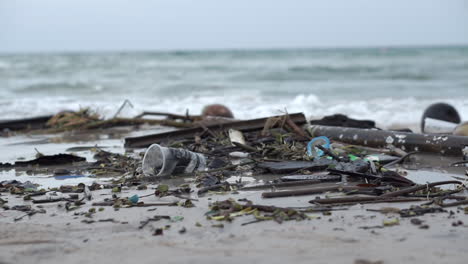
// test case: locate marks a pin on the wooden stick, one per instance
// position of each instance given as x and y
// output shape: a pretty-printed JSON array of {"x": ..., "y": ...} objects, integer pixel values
[
  {"x": 417, "y": 188},
  {"x": 312, "y": 191}
]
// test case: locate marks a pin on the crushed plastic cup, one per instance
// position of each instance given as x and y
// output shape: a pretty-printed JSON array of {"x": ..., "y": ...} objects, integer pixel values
[{"x": 163, "y": 161}]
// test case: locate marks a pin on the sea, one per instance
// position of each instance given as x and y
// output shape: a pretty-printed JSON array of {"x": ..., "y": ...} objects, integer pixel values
[{"x": 391, "y": 85}]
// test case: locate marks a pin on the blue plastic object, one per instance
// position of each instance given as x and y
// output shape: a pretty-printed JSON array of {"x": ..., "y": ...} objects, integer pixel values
[
  {"x": 313, "y": 151},
  {"x": 134, "y": 199}
]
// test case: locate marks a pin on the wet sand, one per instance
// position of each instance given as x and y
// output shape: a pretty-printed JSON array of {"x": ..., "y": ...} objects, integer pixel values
[
  {"x": 342, "y": 237},
  {"x": 345, "y": 236}
]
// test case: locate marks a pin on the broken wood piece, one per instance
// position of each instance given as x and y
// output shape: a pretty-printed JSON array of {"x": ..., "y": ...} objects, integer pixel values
[
  {"x": 26, "y": 123},
  {"x": 293, "y": 166},
  {"x": 171, "y": 116},
  {"x": 133, "y": 122},
  {"x": 457, "y": 203},
  {"x": 443, "y": 144},
  {"x": 417, "y": 188},
  {"x": 243, "y": 126},
  {"x": 245, "y": 147},
  {"x": 321, "y": 176},
  {"x": 296, "y": 129},
  {"x": 362, "y": 199},
  {"x": 281, "y": 185},
  {"x": 312, "y": 191}
]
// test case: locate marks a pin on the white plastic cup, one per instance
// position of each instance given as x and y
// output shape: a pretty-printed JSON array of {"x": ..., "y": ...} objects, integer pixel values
[{"x": 162, "y": 161}]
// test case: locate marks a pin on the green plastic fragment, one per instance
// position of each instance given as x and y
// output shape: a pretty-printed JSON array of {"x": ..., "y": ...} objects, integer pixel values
[
  {"x": 163, "y": 188},
  {"x": 177, "y": 218}
]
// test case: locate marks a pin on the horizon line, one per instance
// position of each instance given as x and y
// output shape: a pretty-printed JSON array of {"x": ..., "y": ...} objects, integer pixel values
[{"x": 164, "y": 50}]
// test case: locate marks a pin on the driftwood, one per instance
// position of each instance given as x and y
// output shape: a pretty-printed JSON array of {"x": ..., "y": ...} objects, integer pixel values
[
  {"x": 243, "y": 126},
  {"x": 417, "y": 188},
  {"x": 367, "y": 199},
  {"x": 133, "y": 122},
  {"x": 444, "y": 144},
  {"x": 312, "y": 191},
  {"x": 27, "y": 123},
  {"x": 281, "y": 185},
  {"x": 171, "y": 116}
]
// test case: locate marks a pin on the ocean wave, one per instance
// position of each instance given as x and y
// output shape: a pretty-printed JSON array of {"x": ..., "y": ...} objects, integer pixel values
[
  {"x": 386, "y": 112},
  {"x": 334, "y": 69},
  {"x": 4, "y": 65},
  {"x": 60, "y": 88}
]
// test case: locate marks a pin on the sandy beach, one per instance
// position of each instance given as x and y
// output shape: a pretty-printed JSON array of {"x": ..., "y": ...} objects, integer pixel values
[
  {"x": 352, "y": 234},
  {"x": 342, "y": 237}
]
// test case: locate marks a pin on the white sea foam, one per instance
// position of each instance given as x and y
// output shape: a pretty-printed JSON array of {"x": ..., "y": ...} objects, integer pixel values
[
  {"x": 392, "y": 88},
  {"x": 385, "y": 111}
]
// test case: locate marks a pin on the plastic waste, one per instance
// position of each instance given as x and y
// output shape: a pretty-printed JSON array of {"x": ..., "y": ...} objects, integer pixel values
[
  {"x": 134, "y": 199},
  {"x": 315, "y": 152},
  {"x": 162, "y": 161},
  {"x": 435, "y": 126},
  {"x": 236, "y": 136},
  {"x": 437, "y": 118}
]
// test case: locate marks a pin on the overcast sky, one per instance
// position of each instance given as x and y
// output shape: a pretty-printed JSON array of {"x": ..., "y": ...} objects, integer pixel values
[{"x": 62, "y": 25}]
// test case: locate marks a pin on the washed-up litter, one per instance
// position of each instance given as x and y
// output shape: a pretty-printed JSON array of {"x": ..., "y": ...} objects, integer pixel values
[
  {"x": 162, "y": 161},
  {"x": 337, "y": 161},
  {"x": 46, "y": 160}
]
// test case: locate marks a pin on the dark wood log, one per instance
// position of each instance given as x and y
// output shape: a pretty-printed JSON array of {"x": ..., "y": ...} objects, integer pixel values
[
  {"x": 26, "y": 123},
  {"x": 312, "y": 191},
  {"x": 244, "y": 126},
  {"x": 443, "y": 144}
]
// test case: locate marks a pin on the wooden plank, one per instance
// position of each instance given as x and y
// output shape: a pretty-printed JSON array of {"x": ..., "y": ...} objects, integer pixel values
[
  {"x": 244, "y": 126},
  {"x": 26, "y": 123}
]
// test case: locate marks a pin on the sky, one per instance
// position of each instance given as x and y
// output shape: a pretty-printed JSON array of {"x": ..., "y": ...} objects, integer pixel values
[{"x": 93, "y": 25}]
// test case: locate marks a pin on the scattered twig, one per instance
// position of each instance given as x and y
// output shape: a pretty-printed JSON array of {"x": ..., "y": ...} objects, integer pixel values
[{"x": 418, "y": 188}]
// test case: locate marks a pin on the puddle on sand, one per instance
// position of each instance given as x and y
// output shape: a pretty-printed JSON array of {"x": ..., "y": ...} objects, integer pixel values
[{"x": 22, "y": 147}]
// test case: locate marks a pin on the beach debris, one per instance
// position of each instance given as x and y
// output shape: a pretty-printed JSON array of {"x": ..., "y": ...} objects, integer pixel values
[
  {"x": 461, "y": 129},
  {"x": 323, "y": 176},
  {"x": 441, "y": 144},
  {"x": 391, "y": 222},
  {"x": 162, "y": 161},
  {"x": 341, "y": 120},
  {"x": 31, "y": 213},
  {"x": 281, "y": 185},
  {"x": 366, "y": 261},
  {"x": 158, "y": 232},
  {"x": 416, "y": 221},
  {"x": 227, "y": 210},
  {"x": 316, "y": 190},
  {"x": 243, "y": 126},
  {"x": 176, "y": 218},
  {"x": 153, "y": 219},
  {"x": 17, "y": 187},
  {"x": 283, "y": 167},
  {"x": 46, "y": 160},
  {"x": 133, "y": 199},
  {"x": 222, "y": 158},
  {"x": 312, "y": 147},
  {"x": 236, "y": 136},
  {"x": 439, "y": 118},
  {"x": 71, "y": 120},
  {"x": 25, "y": 123},
  {"x": 418, "y": 211},
  {"x": 218, "y": 110}
]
